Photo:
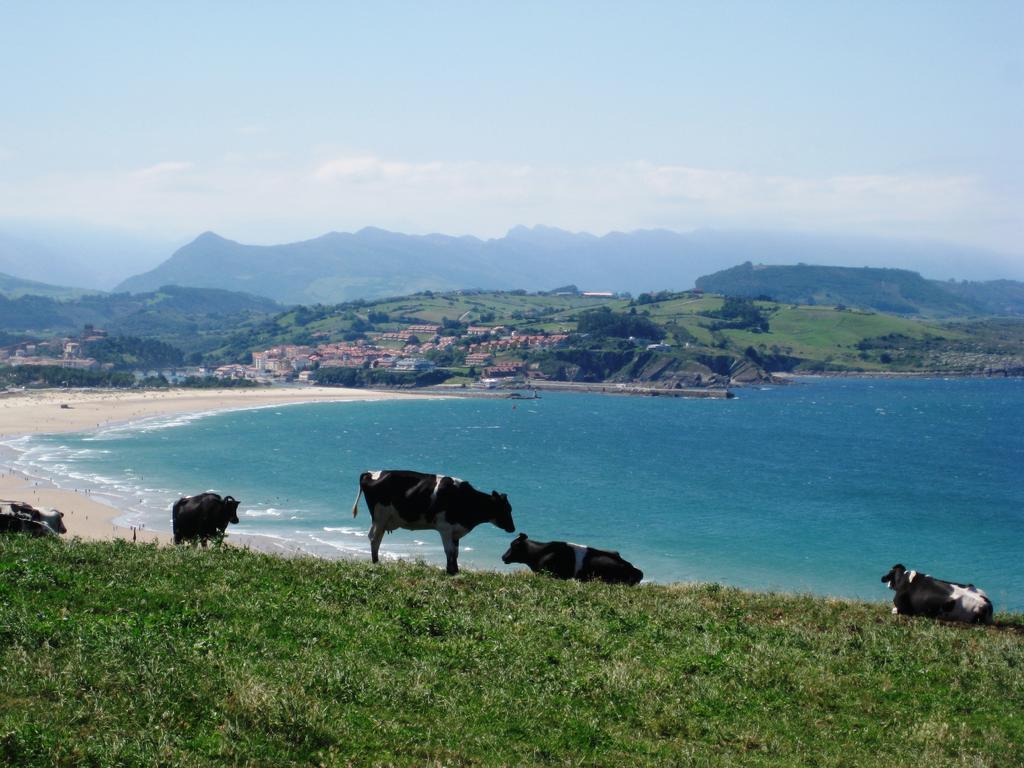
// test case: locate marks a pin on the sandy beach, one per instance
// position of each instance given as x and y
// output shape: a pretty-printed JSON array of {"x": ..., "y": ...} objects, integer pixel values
[{"x": 54, "y": 411}]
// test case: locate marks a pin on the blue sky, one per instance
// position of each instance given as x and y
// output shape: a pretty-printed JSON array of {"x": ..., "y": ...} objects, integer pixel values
[{"x": 271, "y": 122}]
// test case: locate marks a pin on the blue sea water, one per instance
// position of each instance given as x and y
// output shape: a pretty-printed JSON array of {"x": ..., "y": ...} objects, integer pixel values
[{"x": 819, "y": 486}]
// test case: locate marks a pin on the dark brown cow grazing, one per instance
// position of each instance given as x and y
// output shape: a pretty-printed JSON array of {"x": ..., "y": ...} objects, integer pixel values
[
  {"x": 572, "y": 561},
  {"x": 202, "y": 517},
  {"x": 918, "y": 594},
  {"x": 401, "y": 498}
]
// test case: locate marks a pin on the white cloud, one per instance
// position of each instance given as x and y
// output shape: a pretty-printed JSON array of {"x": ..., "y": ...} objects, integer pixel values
[
  {"x": 369, "y": 168},
  {"x": 267, "y": 197},
  {"x": 162, "y": 169}
]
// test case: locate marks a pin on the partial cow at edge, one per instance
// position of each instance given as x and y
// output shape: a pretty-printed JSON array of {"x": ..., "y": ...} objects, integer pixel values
[
  {"x": 203, "y": 517},
  {"x": 401, "y": 498},
  {"x": 572, "y": 561},
  {"x": 19, "y": 517},
  {"x": 918, "y": 594}
]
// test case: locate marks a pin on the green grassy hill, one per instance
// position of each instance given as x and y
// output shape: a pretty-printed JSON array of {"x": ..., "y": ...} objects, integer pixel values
[
  {"x": 193, "y": 319},
  {"x": 704, "y": 332},
  {"x": 777, "y": 336},
  {"x": 115, "y": 654},
  {"x": 897, "y": 291}
]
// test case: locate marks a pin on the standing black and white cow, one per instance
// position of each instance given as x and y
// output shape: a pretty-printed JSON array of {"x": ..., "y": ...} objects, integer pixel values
[
  {"x": 920, "y": 595},
  {"x": 401, "y": 498},
  {"x": 572, "y": 561},
  {"x": 19, "y": 516},
  {"x": 203, "y": 516}
]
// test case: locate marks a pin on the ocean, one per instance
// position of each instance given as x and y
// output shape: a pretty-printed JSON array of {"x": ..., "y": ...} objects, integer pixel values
[{"x": 819, "y": 486}]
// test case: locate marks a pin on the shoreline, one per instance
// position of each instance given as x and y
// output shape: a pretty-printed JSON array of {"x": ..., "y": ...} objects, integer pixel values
[
  {"x": 37, "y": 412},
  {"x": 787, "y": 375}
]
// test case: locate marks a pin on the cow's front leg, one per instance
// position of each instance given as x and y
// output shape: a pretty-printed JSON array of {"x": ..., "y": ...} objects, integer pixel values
[
  {"x": 901, "y": 606},
  {"x": 451, "y": 551},
  {"x": 376, "y": 534}
]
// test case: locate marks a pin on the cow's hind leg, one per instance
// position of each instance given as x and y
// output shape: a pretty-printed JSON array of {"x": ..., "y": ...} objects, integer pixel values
[
  {"x": 376, "y": 534},
  {"x": 451, "y": 551}
]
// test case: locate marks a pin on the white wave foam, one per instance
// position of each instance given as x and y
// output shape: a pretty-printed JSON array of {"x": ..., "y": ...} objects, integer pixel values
[
  {"x": 348, "y": 530},
  {"x": 262, "y": 513}
]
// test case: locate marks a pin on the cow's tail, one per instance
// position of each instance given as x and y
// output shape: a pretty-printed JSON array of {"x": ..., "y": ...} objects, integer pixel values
[{"x": 355, "y": 507}]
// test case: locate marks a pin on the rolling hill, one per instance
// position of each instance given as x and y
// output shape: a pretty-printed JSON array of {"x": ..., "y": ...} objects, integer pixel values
[
  {"x": 192, "y": 318},
  {"x": 14, "y": 287},
  {"x": 896, "y": 291}
]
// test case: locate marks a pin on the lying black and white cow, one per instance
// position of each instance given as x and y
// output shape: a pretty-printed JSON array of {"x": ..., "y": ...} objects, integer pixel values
[
  {"x": 22, "y": 517},
  {"x": 572, "y": 561},
  {"x": 401, "y": 498},
  {"x": 920, "y": 595},
  {"x": 202, "y": 517}
]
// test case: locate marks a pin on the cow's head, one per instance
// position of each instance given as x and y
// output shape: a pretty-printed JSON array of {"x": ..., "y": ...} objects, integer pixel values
[
  {"x": 501, "y": 512},
  {"x": 896, "y": 577},
  {"x": 516, "y": 552},
  {"x": 51, "y": 518},
  {"x": 58, "y": 516},
  {"x": 231, "y": 509}
]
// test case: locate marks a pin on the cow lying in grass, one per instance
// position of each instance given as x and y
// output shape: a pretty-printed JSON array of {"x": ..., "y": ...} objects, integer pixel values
[
  {"x": 920, "y": 595},
  {"x": 19, "y": 517},
  {"x": 572, "y": 561}
]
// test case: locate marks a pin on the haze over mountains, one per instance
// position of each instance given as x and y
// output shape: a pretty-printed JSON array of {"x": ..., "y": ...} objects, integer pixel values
[
  {"x": 372, "y": 263},
  {"x": 78, "y": 255}
]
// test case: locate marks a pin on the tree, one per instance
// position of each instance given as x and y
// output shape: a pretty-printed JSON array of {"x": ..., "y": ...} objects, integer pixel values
[{"x": 603, "y": 323}]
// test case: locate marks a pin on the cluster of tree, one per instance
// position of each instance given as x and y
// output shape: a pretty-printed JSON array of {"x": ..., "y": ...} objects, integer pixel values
[
  {"x": 451, "y": 356},
  {"x": 370, "y": 377},
  {"x": 304, "y": 315},
  {"x": 740, "y": 313},
  {"x": 653, "y": 298},
  {"x": 603, "y": 323},
  {"x": 129, "y": 352},
  {"x": 576, "y": 364},
  {"x": 56, "y": 376},
  {"x": 210, "y": 382},
  {"x": 887, "y": 341},
  {"x": 11, "y": 339}
]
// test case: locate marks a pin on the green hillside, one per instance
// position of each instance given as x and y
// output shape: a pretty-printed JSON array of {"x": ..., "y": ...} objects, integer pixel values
[
  {"x": 896, "y": 291},
  {"x": 15, "y": 287},
  {"x": 702, "y": 336},
  {"x": 193, "y": 319},
  {"x": 116, "y": 654},
  {"x": 700, "y": 340}
]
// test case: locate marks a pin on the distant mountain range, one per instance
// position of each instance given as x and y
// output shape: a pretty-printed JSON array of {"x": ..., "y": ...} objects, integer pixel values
[
  {"x": 373, "y": 263},
  {"x": 898, "y": 291}
]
